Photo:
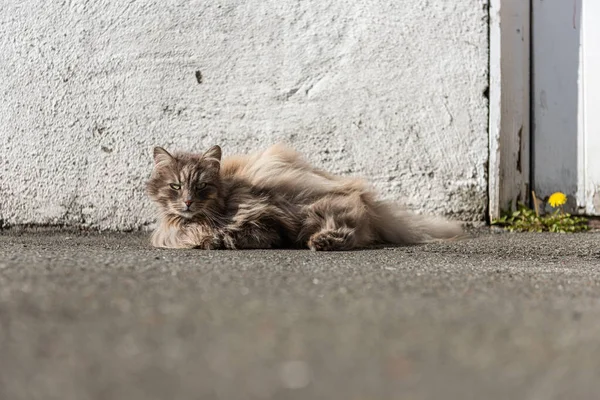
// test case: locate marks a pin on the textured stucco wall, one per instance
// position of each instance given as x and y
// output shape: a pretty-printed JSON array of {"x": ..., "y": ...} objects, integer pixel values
[{"x": 391, "y": 90}]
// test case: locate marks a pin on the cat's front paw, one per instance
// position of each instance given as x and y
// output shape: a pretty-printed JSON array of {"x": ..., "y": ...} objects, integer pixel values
[
  {"x": 207, "y": 243},
  {"x": 197, "y": 238}
]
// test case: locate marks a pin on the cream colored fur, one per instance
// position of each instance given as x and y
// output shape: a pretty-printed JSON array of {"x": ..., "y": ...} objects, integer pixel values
[{"x": 275, "y": 199}]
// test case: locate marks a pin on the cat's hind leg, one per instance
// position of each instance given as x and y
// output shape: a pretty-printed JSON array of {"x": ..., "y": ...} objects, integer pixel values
[
  {"x": 337, "y": 239},
  {"x": 337, "y": 222}
]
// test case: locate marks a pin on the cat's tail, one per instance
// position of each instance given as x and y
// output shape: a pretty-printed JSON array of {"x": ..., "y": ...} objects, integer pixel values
[{"x": 398, "y": 226}]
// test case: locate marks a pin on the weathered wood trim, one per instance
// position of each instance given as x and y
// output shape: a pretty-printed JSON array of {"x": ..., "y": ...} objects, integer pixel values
[{"x": 509, "y": 125}]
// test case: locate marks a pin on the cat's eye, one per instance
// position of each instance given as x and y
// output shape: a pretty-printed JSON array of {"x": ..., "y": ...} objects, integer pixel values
[
  {"x": 201, "y": 185},
  {"x": 175, "y": 186}
]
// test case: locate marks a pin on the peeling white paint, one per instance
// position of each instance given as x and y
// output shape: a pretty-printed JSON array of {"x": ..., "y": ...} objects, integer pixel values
[
  {"x": 385, "y": 89},
  {"x": 509, "y": 104}
]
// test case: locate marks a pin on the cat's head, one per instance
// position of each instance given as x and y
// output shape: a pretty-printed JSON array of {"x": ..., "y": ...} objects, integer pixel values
[{"x": 185, "y": 184}]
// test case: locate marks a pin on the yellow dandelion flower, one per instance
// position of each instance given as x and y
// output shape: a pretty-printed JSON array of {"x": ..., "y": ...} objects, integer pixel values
[{"x": 557, "y": 199}]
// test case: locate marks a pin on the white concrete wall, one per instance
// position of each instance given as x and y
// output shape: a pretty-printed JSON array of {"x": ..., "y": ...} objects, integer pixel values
[{"x": 391, "y": 90}]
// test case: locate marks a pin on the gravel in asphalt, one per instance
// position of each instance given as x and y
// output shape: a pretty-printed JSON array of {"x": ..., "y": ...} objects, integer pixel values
[{"x": 106, "y": 316}]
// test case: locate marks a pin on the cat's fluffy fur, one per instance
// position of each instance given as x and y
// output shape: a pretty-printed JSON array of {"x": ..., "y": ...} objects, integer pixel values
[{"x": 274, "y": 199}]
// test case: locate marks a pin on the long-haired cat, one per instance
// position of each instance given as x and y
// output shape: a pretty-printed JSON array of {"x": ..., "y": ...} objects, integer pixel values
[{"x": 274, "y": 199}]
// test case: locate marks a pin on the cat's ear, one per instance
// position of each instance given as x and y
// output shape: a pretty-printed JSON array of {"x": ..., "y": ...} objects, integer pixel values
[
  {"x": 161, "y": 155},
  {"x": 213, "y": 153}
]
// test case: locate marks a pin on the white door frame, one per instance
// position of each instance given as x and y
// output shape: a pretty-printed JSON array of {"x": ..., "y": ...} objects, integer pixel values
[{"x": 588, "y": 166}]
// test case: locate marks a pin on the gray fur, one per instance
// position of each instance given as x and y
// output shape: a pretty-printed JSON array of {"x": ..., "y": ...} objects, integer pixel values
[{"x": 274, "y": 199}]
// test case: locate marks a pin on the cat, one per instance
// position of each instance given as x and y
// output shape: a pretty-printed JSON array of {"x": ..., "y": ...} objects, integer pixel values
[{"x": 274, "y": 199}]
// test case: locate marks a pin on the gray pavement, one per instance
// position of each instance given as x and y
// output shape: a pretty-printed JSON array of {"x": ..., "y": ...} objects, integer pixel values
[{"x": 105, "y": 316}]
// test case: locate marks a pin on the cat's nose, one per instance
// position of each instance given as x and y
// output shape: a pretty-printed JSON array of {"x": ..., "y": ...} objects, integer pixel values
[{"x": 188, "y": 203}]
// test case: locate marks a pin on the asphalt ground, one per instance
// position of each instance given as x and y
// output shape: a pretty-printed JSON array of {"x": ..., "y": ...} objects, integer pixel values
[{"x": 106, "y": 316}]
